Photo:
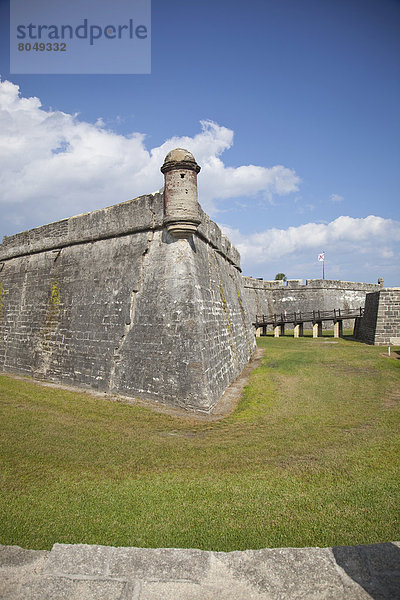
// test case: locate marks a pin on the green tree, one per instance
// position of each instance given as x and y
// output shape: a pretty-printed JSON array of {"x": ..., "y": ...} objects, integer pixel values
[{"x": 280, "y": 277}]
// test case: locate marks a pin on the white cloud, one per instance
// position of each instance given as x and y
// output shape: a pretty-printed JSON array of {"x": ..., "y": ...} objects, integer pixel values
[
  {"x": 345, "y": 236},
  {"x": 52, "y": 165},
  {"x": 336, "y": 198},
  {"x": 386, "y": 253}
]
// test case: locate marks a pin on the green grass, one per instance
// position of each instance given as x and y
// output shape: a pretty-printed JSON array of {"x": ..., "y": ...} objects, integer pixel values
[{"x": 310, "y": 457}]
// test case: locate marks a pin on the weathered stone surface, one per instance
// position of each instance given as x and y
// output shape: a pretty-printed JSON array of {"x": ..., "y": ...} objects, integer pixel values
[
  {"x": 181, "y": 215},
  {"x": 19, "y": 567},
  {"x": 98, "y": 572},
  {"x": 160, "y": 564},
  {"x": 111, "y": 301},
  {"x": 276, "y": 297},
  {"x": 139, "y": 214},
  {"x": 63, "y": 588},
  {"x": 375, "y": 567},
  {"x": 288, "y": 572},
  {"x": 11, "y": 556},
  {"x": 380, "y": 324},
  {"x": 79, "y": 559}
]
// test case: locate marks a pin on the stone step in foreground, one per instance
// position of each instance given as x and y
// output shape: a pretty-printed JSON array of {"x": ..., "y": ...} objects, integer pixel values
[{"x": 85, "y": 572}]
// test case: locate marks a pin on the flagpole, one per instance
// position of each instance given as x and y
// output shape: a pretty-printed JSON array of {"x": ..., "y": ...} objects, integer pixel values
[{"x": 321, "y": 258}]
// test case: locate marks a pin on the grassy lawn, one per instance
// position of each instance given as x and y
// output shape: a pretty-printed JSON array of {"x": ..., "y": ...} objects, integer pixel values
[{"x": 310, "y": 457}]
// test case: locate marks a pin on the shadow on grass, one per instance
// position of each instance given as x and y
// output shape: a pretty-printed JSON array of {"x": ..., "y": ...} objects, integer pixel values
[
  {"x": 376, "y": 568},
  {"x": 350, "y": 338}
]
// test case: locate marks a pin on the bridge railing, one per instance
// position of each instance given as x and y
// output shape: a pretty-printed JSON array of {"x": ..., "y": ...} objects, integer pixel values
[{"x": 314, "y": 316}]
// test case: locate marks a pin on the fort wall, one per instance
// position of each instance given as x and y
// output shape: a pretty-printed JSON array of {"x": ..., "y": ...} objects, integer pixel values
[
  {"x": 146, "y": 299},
  {"x": 276, "y": 297},
  {"x": 126, "y": 300},
  {"x": 259, "y": 298},
  {"x": 380, "y": 324}
]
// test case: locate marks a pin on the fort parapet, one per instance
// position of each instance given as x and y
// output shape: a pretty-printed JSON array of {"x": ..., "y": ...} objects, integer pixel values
[{"x": 143, "y": 299}]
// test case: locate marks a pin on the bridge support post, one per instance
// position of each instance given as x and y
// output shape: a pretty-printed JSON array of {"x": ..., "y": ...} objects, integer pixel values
[
  {"x": 258, "y": 331},
  {"x": 357, "y": 325},
  {"x": 317, "y": 330},
  {"x": 338, "y": 329},
  {"x": 298, "y": 330},
  {"x": 277, "y": 330},
  {"x": 282, "y": 329}
]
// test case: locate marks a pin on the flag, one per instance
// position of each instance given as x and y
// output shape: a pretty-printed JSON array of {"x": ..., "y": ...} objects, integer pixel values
[{"x": 321, "y": 257}]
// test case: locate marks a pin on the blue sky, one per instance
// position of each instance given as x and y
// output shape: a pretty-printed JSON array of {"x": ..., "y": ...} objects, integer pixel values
[{"x": 291, "y": 107}]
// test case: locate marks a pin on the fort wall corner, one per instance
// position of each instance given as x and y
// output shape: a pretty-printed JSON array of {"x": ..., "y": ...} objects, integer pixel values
[
  {"x": 380, "y": 324},
  {"x": 144, "y": 299}
]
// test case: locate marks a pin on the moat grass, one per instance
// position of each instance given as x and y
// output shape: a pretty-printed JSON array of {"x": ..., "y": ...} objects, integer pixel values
[{"x": 310, "y": 457}]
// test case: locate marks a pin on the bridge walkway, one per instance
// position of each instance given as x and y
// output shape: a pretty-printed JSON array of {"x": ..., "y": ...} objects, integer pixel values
[{"x": 297, "y": 319}]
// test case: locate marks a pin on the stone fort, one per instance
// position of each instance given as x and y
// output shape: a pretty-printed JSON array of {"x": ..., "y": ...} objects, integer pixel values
[{"x": 145, "y": 299}]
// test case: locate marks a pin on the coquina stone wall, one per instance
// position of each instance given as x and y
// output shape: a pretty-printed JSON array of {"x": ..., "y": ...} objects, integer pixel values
[
  {"x": 380, "y": 324},
  {"x": 259, "y": 298},
  {"x": 133, "y": 299},
  {"x": 269, "y": 297}
]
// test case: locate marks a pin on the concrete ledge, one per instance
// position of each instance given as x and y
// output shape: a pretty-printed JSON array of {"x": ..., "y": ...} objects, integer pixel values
[{"x": 104, "y": 572}]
